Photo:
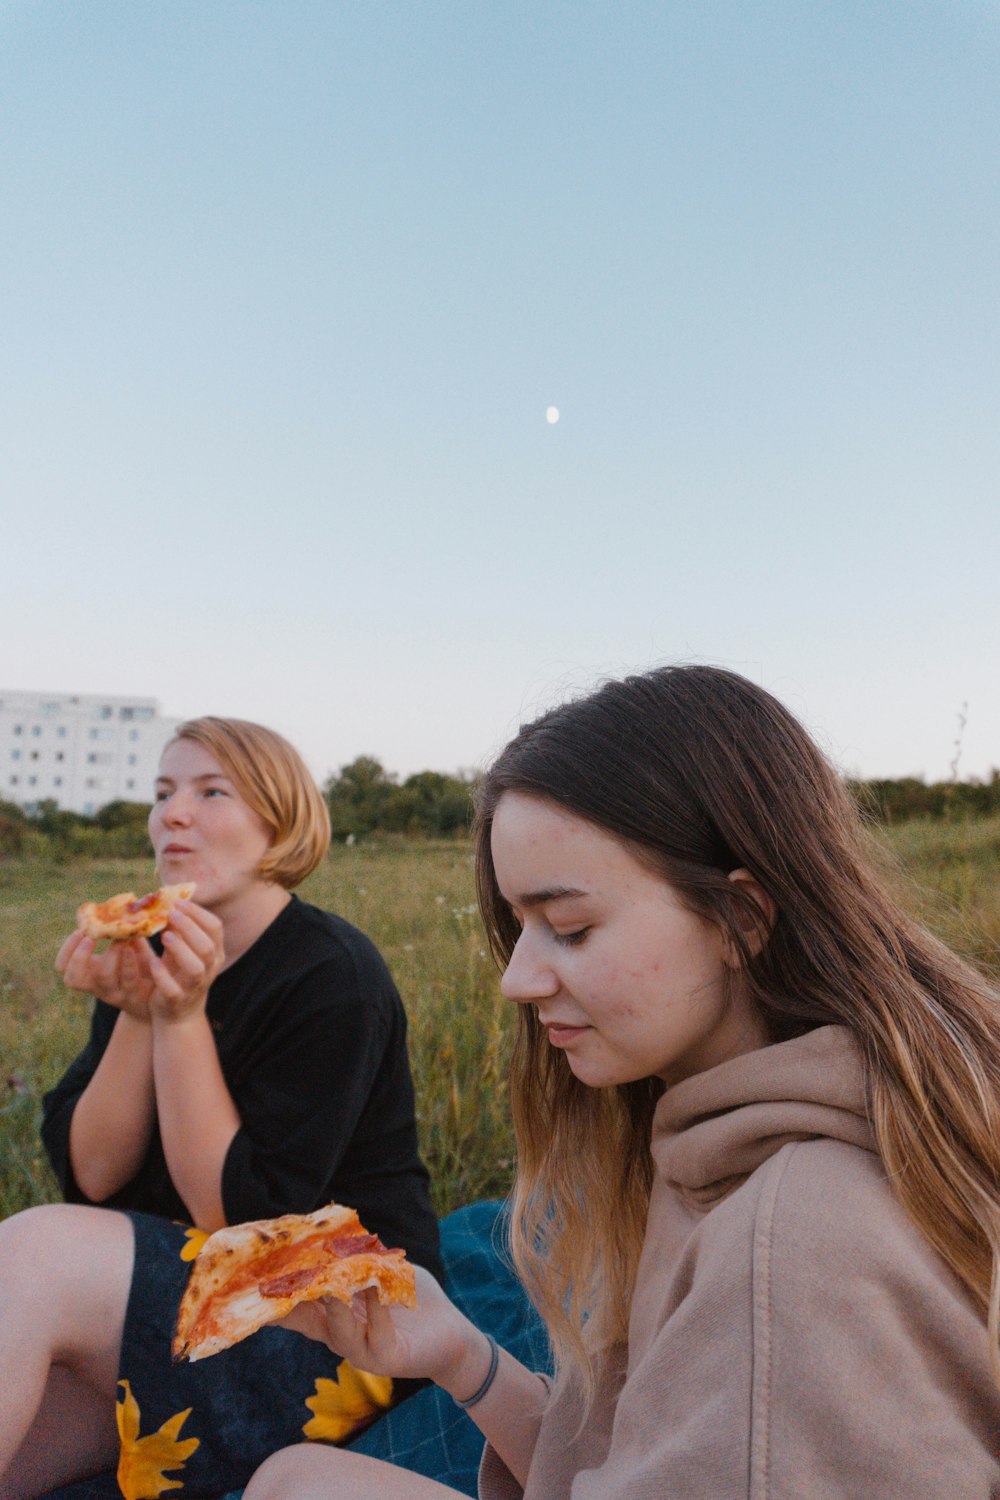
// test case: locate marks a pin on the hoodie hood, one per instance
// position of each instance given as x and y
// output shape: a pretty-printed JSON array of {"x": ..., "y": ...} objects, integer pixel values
[{"x": 712, "y": 1130}]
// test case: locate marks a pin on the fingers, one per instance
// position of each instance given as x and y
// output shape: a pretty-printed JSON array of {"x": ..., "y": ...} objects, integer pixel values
[
  {"x": 197, "y": 924},
  {"x": 69, "y": 948},
  {"x": 193, "y": 947}
]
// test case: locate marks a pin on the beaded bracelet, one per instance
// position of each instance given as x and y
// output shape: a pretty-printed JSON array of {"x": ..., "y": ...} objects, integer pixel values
[{"x": 490, "y": 1376}]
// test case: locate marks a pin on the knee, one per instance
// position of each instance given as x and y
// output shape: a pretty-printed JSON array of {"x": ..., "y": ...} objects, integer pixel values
[
  {"x": 26, "y": 1239},
  {"x": 302, "y": 1471},
  {"x": 63, "y": 1247}
]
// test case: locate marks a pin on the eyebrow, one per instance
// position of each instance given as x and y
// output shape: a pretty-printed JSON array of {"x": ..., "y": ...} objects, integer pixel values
[
  {"x": 208, "y": 776},
  {"x": 549, "y": 893}
]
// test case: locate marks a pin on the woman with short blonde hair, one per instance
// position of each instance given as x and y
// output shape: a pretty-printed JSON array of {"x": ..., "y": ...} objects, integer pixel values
[{"x": 250, "y": 1062}]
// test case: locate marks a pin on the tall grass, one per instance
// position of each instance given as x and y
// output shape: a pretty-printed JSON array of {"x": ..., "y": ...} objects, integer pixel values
[{"x": 417, "y": 903}]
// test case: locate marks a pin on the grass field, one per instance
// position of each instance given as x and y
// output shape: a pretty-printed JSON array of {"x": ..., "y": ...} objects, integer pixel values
[{"x": 417, "y": 902}]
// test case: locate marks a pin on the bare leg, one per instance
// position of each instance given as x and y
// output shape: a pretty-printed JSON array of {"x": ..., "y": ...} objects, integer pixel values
[
  {"x": 313, "y": 1471},
  {"x": 65, "y": 1272}
]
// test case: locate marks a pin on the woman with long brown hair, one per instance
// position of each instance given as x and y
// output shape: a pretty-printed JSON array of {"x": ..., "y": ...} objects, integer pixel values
[{"x": 758, "y": 1126}]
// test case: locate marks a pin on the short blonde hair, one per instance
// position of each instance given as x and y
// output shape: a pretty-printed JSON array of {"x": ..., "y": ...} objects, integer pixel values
[{"x": 272, "y": 778}]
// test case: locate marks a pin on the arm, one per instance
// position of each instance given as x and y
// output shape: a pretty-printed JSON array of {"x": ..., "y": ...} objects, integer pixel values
[
  {"x": 809, "y": 1342},
  {"x": 197, "y": 1115},
  {"x": 112, "y": 1121}
]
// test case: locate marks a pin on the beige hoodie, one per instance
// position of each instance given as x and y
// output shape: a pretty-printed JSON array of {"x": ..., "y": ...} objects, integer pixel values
[{"x": 793, "y": 1336}]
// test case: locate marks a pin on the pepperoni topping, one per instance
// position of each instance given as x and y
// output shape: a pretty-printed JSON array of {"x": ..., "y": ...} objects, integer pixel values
[
  {"x": 292, "y": 1281},
  {"x": 356, "y": 1244}
]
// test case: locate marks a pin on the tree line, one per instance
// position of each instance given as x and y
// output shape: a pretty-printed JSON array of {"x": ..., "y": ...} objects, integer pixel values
[{"x": 366, "y": 800}]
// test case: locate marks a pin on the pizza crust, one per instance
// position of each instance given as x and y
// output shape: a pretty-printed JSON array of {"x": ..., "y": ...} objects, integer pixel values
[
  {"x": 128, "y": 916},
  {"x": 248, "y": 1275}
]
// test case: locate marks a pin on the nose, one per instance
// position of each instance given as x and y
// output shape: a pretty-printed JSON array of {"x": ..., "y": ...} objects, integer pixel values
[
  {"x": 176, "y": 809},
  {"x": 528, "y": 977}
]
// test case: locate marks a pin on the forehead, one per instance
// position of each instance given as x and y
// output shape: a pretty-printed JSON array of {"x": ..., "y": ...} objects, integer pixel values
[
  {"x": 537, "y": 846},
  {"x": 188, "y": 758}
]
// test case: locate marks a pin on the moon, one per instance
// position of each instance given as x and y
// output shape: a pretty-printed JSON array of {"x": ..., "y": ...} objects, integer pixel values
[{"x": 552, "y": 415}]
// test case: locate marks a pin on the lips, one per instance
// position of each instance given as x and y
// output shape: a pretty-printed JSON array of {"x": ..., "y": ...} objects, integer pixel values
[
  {"x": 177, "y": 849},
  {"x": 560, "y": 1033}
]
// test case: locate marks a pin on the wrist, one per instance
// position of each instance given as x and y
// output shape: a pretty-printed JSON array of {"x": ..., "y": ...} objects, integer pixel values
[
  {"x": 192, "y": 1020},
  {"x": 471, "y": 1372}
]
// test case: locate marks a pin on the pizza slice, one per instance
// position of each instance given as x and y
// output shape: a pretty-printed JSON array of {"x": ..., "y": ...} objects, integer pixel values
[
  {"x": 129, "y": 916},
  {"x": 246, "y": 1275}
]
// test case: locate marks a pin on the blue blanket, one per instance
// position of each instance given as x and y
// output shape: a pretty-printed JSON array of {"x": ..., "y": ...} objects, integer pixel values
[{"x": 428, "y": 1433}]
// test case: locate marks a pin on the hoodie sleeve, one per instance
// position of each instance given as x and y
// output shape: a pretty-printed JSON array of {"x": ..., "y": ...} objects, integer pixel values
[
  {"x": 871, "y": 1373},
  {"x": 808, "y": 1342}
]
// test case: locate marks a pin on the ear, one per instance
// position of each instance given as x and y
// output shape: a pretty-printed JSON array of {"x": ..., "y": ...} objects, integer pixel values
[{"x": 755, "y": 931}]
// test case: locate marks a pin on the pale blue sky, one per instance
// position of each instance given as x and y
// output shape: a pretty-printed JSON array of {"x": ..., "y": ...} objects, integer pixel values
[{"x": 287, "y": 287}]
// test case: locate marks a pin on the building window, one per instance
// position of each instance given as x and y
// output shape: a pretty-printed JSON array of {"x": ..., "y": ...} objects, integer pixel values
[
  {"x": 88, "y": 808},
  {"x": 15, "y": 755},
  {"x": 32, "y": 780},
  {"x": 51, "y": 708},
  {"x": 36, "y": 730},
  {"x": 144, "y": 713},
  {"x": 34, "y": 754},
  {"x": 132, "y": 759},
  {"x": 107, "y": 712},
  {"x": 61, "y": 731},
  {"x": 57, "y": 781},
  {"x": 14, "y": 780},
  {"x": 133, "y": 734},
  {"x": 18, "y": 728},
  {"x": 92, "y": 781},
  {"x": 130, "y": 784},
  {"x": 60, "y": 755}
]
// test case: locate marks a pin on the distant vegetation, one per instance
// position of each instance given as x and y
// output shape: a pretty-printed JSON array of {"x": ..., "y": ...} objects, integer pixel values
[
  {"x": 365, "y": 799},
  {"x": 416, "y": 897}
]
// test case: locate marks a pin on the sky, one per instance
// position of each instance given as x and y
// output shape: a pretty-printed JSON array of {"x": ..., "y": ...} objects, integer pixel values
[{"x": 287, "y": 287}]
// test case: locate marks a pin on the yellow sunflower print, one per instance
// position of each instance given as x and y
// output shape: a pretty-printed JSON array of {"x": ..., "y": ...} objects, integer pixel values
[
  {"x": 340, "y": 1405},
  {"x": 195, "y": 1239},
  {"x": 144, "y": 1460}
]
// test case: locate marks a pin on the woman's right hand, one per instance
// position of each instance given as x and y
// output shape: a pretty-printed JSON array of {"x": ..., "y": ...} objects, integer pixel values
[
  {"x": 121, "y": 975},
  {"x": 432, "y": 1340}
]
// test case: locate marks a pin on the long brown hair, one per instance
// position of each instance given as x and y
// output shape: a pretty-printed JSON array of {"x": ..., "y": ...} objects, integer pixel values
[{"x": 700, "y": 772}]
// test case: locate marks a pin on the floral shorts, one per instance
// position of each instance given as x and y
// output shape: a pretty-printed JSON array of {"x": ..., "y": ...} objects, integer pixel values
[{"x": 200, "y": 1429}]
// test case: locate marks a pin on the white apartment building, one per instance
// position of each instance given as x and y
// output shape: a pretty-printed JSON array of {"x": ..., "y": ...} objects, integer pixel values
[{"x": 80, "y": 750}]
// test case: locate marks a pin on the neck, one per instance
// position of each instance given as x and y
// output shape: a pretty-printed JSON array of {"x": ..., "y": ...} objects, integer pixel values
[{"x": 245, "y": 918}]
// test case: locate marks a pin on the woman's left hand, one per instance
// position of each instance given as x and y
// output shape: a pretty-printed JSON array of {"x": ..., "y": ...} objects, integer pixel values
[{"x": 193, "y": 954}]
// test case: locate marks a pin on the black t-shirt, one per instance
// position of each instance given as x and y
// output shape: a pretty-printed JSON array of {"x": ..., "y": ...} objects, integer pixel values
[{"x": 311, "y": 1036}]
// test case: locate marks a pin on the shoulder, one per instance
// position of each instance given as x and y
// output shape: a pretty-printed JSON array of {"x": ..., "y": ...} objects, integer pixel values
[
  {"x": 827, "y": 1198},
  {"x": 321, "y": 943},
  {"x": 814, "y": 1232},
  {"x": 865, "y": 1342}
]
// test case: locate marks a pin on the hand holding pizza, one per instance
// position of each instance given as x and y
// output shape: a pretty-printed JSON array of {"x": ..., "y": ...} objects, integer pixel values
[
  {"x": 120, "y": 976},
  {"x": 193, "y": 954},
  {"x": 432, "y": 1340}
]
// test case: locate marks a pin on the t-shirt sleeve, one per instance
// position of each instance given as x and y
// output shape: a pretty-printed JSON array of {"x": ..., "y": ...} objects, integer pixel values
[
  {"x": 303, "y": 1093},
  {"x": 60, "y": 1102}
]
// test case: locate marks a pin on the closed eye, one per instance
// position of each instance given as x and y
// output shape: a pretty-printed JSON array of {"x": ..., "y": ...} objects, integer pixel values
[{"x": 571, "y": 939}]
